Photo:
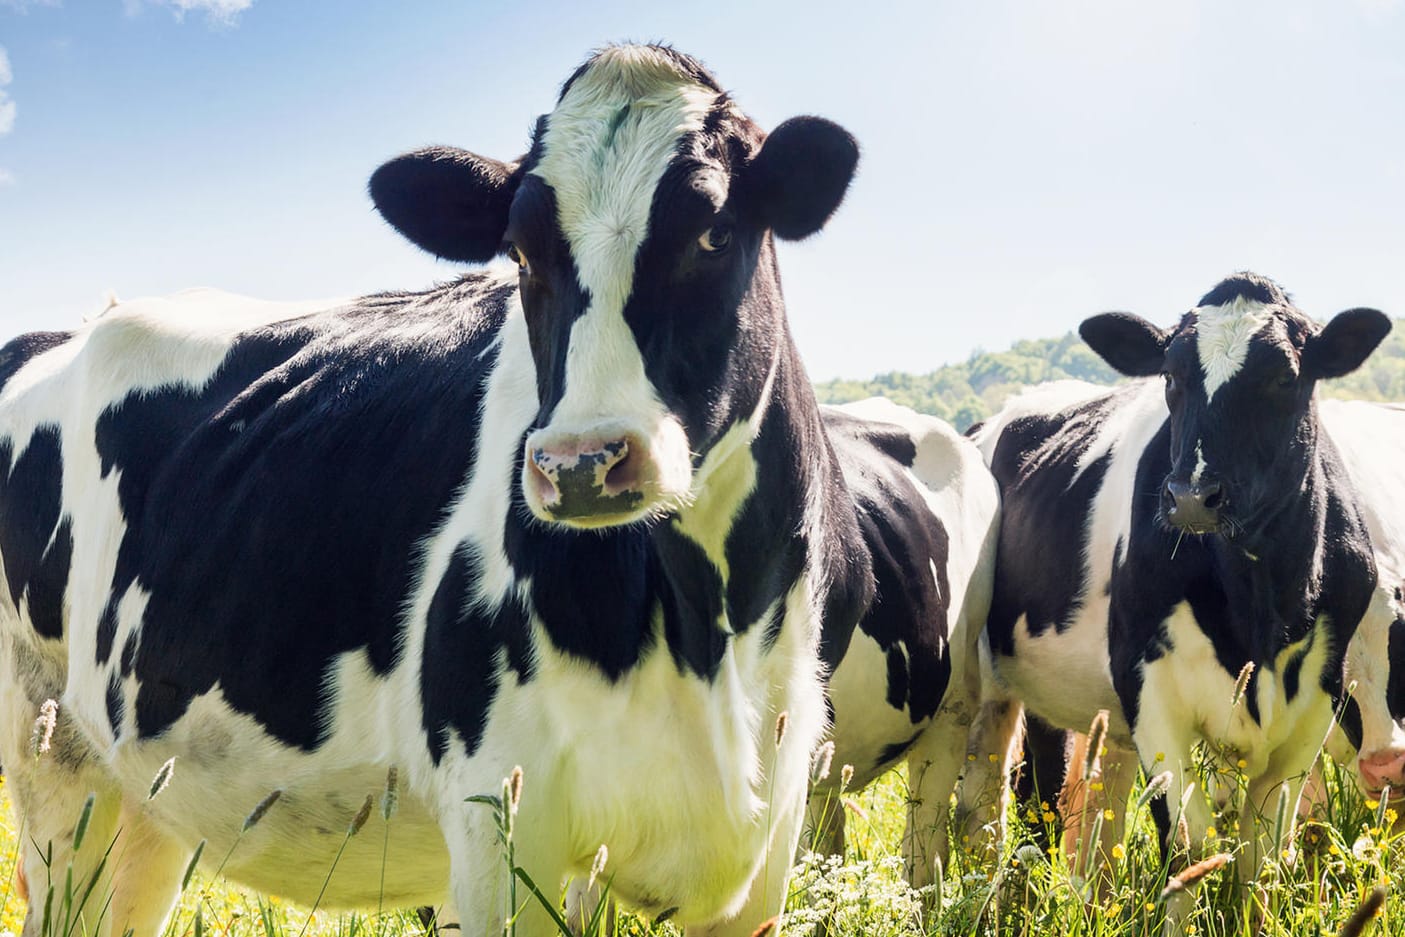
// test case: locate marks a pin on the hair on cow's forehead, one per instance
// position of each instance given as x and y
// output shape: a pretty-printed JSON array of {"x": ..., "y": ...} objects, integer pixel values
[
  {"x": 1230, "y": 317},
  {"x": 645, "y": 62}
]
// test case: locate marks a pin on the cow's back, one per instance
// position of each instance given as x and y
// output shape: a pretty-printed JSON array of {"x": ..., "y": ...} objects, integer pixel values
[{"x": 262, "y": 469}]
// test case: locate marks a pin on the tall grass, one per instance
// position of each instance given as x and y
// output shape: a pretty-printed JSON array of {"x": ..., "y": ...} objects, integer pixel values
[{"x": 1341, "y": 855}]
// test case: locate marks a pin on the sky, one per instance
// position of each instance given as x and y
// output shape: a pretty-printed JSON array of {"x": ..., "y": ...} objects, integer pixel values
[{"x": 1025, "y": 164}]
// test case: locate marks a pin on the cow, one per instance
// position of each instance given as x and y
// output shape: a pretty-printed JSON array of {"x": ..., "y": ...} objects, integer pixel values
[
  {"x": 577, "y": 513},
  {"x": 1160, "y": 536},
  {"x": 907, "y": 687}
]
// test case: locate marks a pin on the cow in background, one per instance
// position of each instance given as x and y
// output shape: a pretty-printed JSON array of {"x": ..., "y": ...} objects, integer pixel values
[{"x": 1160, "y": 536}]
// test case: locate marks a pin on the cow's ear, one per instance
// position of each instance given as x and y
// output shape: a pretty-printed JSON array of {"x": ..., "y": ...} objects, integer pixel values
[
  {"x": 1345, "y": 342},
  {"x": 1130, "y": 344},
  {"x": 801, "y": 174},
  {"x": 448, "y": 201}
]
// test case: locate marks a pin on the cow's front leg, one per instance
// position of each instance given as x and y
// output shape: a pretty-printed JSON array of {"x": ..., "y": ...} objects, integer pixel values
[
  {"x": 1266, "y": 823},
  {"x": 486, "y": 847},
  {"x": 984, "y": 793},
  {"x": 1097, "y": 802},
  {"x": 933, "y": 766},
  {"x": 766, "y": 899},
  {"x": 147, "y": 879},
  {"x": 1165, "y": 735}
]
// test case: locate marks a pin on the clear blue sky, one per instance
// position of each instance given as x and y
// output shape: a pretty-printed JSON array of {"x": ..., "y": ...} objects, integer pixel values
[{"x": 1025, "y": 163}]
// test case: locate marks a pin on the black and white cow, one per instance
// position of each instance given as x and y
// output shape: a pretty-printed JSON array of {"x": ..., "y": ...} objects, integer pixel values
[
  {"x": 907, "y": 687},
  {"x": 1159, "y": 536},
  {"x": 581, "y": 515}
]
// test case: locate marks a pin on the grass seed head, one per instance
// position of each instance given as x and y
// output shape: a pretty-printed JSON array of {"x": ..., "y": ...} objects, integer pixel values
[
  {"x": 83, "y": 819},
  {"x": 514, "y": 788},
  {"x": 362, "y": 816},
  {"x": 767, "y": 928},
  {"x": 1097, "y": 735},
  {"x": 1365, "y": 912},
  {"x": 781, "y": 722},
  {"x": 1193, "y": 874},
  {"x": 190, "y": 866},
  {"x": 824, "y": 758},
  {"x": 1242, "y": 683},
  {"x": 846, "y": 776},
  {"x": 1155, "y": 787},
  {"x": 390, "y": 800},
  {"x": 162, "y": 779},
  {"x": 602, "y": 855},
  {"x": 43, "y": 735},
  {"x": 257, "y": 813}
]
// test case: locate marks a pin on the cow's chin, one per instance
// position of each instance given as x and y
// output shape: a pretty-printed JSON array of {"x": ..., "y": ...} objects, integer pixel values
[{"x": 609, "y": 512}]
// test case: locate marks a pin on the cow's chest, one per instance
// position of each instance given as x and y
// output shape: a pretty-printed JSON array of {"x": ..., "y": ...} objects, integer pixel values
[
  {"x": 1272, "y": 729},
  {"x": 617, "y": 763}
]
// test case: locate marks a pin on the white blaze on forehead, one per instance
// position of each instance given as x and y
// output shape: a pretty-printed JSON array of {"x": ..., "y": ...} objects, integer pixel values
[
  {"x": 607, "y": 145},
  {"x": 1223, "y": 334}
]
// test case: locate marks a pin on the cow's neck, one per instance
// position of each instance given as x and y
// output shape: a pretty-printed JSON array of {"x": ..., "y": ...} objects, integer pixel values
[
  {"x": 1309, "y": 558},
  {"x": 795, "y": 519}
]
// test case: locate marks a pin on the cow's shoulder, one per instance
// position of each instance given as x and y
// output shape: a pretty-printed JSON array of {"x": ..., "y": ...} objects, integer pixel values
[{"x": 281, "y": 500}]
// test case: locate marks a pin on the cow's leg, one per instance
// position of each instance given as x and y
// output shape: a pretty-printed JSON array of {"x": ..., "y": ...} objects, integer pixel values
[
  {"x": 583, "y": 902},
  {"x": 147, "y": 879},
  {"x": 1096, "y": 802},
  {"x": 50, "y": 803},
  {"x": 487, "y": 894},
  {"x": 825, "y": 821},
  {"x": 768, "y": 889},
  {"x": 48, "y": 791},
  {"x": 933, "y": 766},
  {"x": 984, "y": 793},
  {"x": 1265, "y": 833}
]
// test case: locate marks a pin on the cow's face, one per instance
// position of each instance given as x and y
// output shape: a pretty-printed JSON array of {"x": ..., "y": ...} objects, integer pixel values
[
  {"x": 640, "y": 222},
  {"x": 1240, "y": 373}
]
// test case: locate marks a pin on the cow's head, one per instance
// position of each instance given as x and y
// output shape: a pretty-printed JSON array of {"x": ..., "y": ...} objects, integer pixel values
[
  {"x": 641, "y": 222},
  {"x": 1240, "y": 370}
]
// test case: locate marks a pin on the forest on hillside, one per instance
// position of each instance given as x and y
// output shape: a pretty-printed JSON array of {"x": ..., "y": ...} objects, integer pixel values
[{"x": 972, "y": 390}]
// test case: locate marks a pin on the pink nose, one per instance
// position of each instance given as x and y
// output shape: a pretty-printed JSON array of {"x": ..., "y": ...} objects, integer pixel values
[
  {"x": 583, "y": 476},
  {"x": 1383, "y": 767}
]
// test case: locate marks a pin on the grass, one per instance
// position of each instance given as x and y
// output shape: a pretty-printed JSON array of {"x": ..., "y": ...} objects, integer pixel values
[{"x": 1344, "y": 852}]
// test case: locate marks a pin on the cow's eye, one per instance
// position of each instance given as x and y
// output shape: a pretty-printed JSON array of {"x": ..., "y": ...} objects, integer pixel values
[
  {"x": 716, "y": 239},
  {"x": 518, "y": 258},
  {"x": 1170, "y": 381},
  {"x": 1286, "y": 380}
]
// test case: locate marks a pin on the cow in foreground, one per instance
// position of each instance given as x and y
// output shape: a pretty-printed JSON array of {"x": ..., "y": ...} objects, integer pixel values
[
  {"x": 580, "y": 515},
  {"x": 1160, "y": 537}
]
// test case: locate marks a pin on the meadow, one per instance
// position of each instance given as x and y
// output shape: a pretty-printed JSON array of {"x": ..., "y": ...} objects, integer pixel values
[
  {"x": 1334, "y": 862},
  {"x": 1321, "y": 882}
]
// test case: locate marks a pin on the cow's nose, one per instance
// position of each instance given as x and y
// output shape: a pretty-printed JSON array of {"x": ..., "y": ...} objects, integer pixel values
[
  {"x": 1382, "y": 768},
  {"x": 1194, "y": 506},
  {"x": 584, "y": 477}
]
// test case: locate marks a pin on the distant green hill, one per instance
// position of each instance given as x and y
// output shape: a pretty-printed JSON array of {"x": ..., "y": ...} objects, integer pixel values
[{"x": 970, "y": 391}]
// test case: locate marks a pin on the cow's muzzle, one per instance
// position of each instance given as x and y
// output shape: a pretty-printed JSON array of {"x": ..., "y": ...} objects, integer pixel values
[
  {"x": 588, "y": 480},
  {"x": 1193, "y": 506}
]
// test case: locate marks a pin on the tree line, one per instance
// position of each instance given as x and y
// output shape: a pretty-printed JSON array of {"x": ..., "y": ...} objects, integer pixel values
[{"x": 965, "y": 393}]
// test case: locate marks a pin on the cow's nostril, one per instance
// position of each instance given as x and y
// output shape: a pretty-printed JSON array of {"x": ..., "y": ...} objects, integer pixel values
[
  {"x": 624, "y": 474},
  {"x": 1212, "y": 497},
  {"x": 542, "y": 478}
]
